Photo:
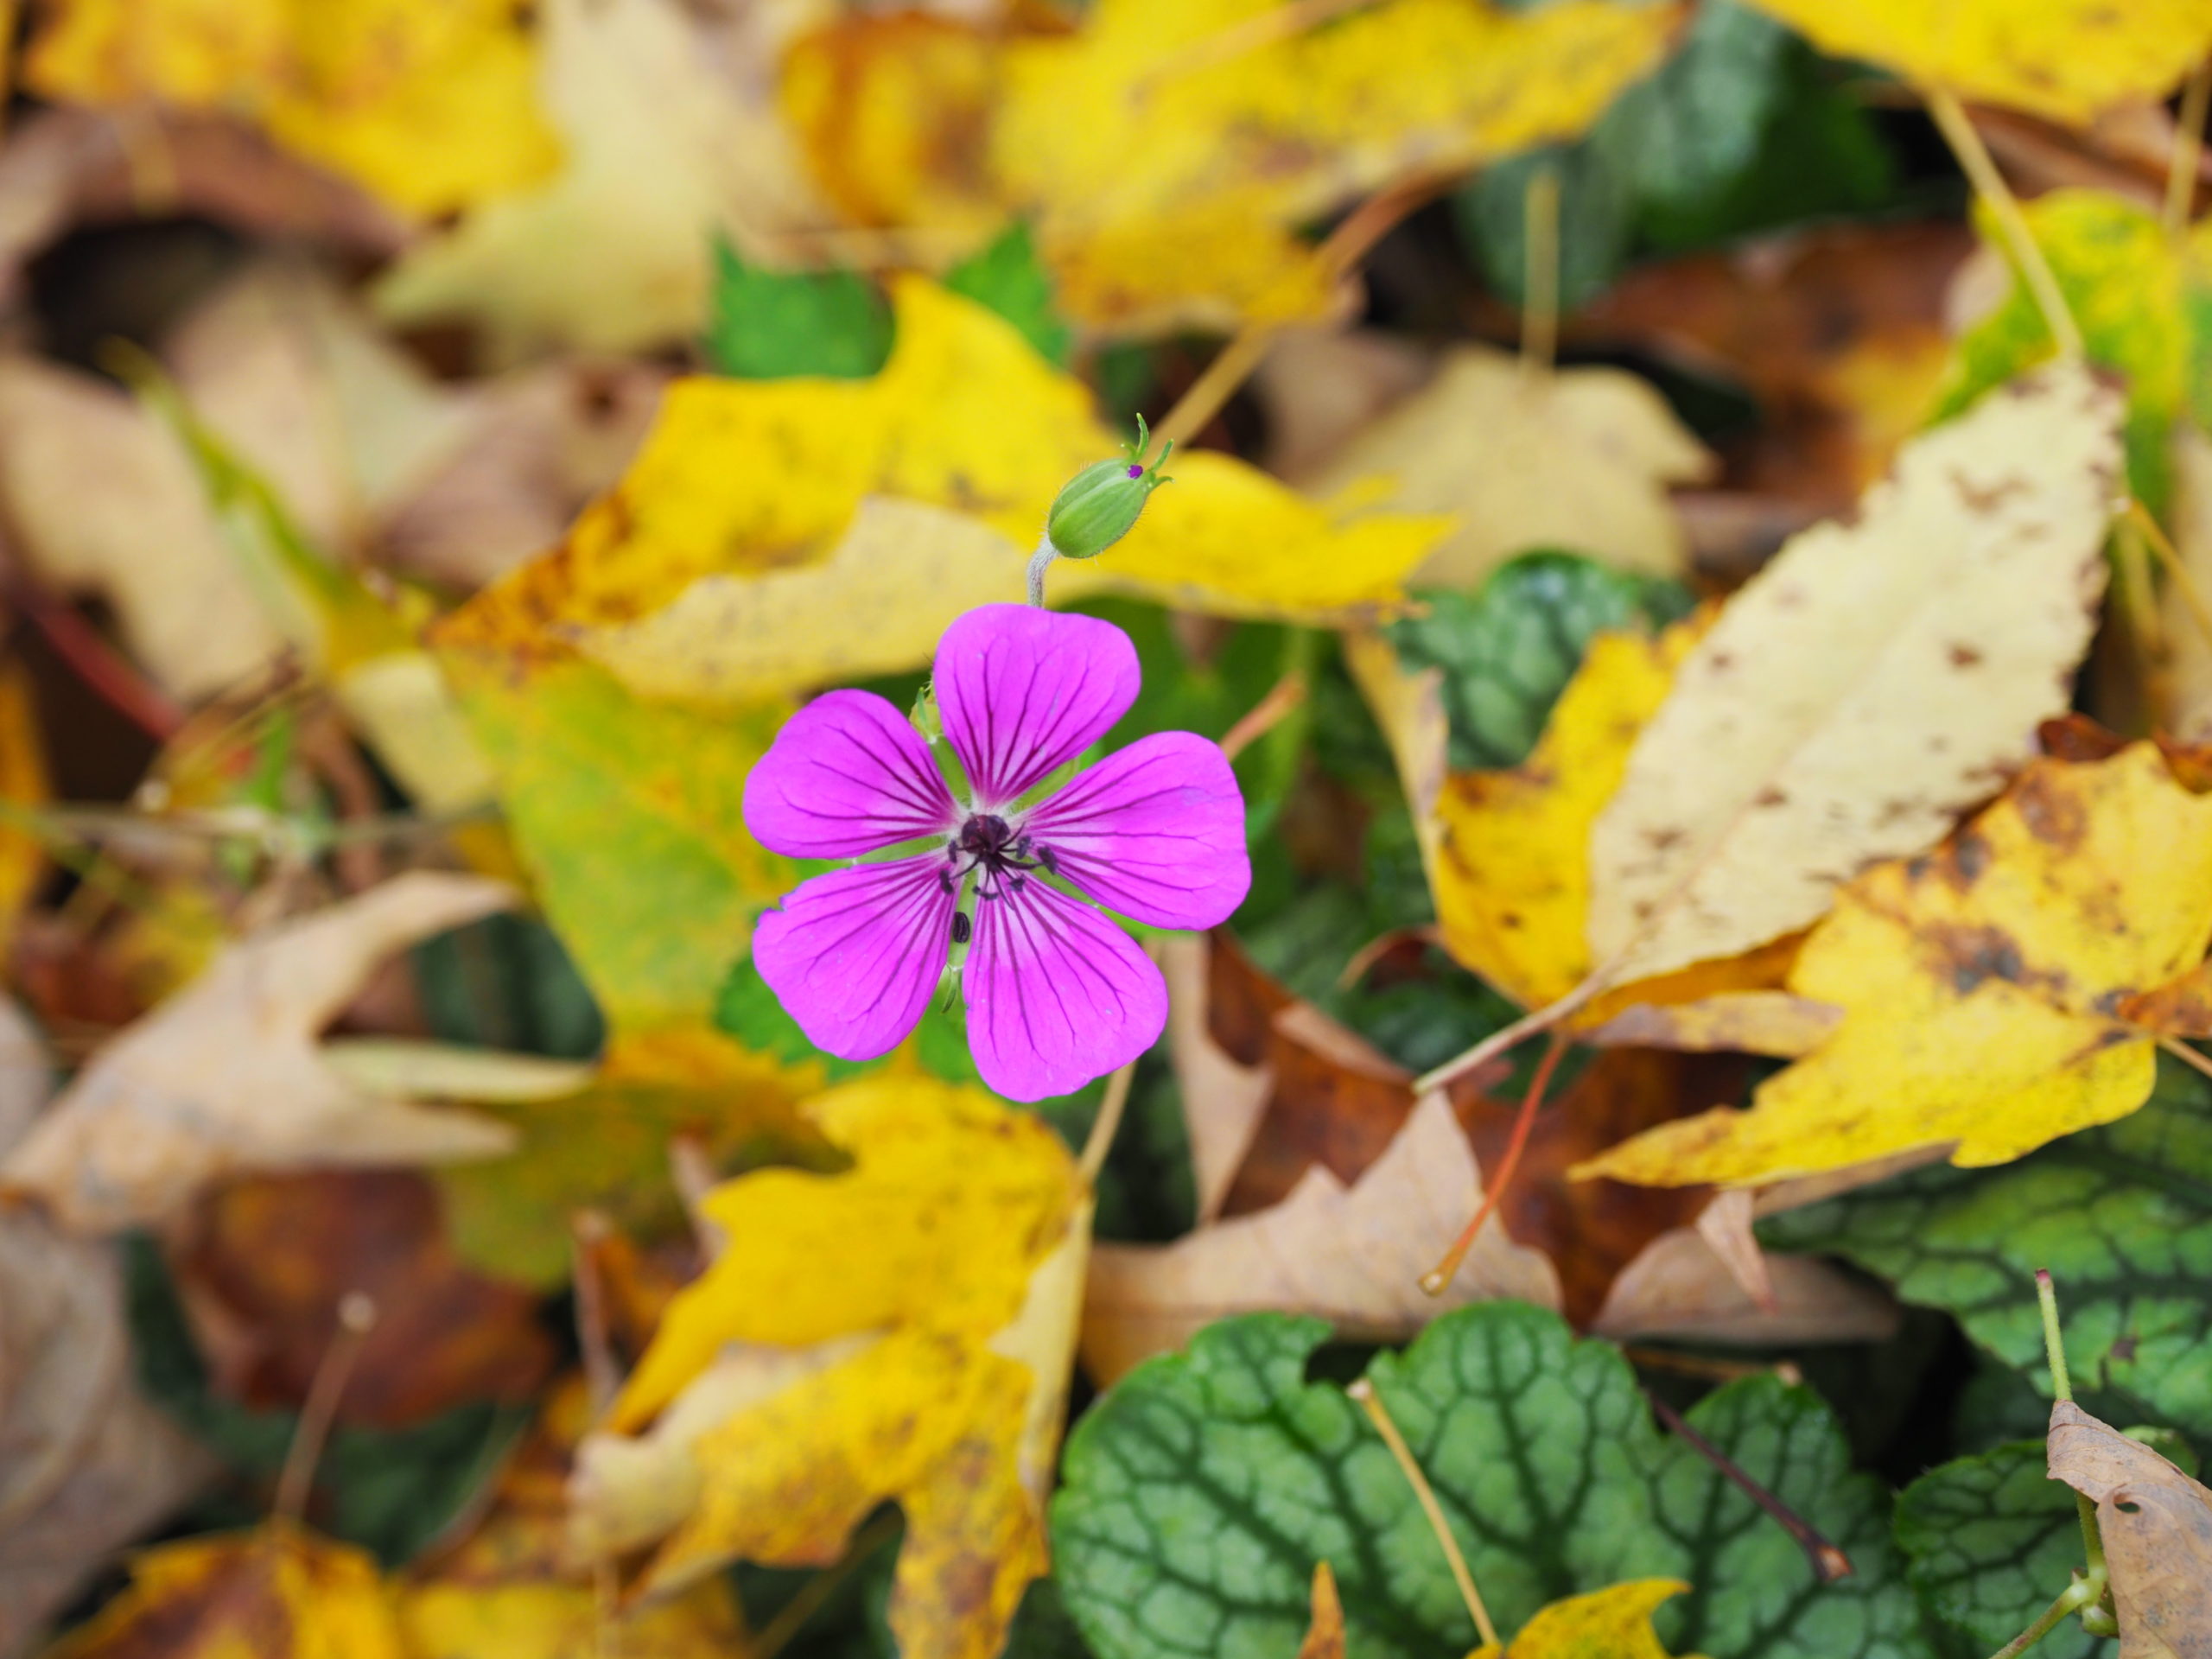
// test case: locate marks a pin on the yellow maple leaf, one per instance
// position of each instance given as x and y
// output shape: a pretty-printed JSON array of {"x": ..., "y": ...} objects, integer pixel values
[
  {"x": 2064, "y": 59},
  {"x": 430, "y": 104},
  {"x": 1986, "y": 986},
  {"x": 1610, "y": 1623},
  {"x": 274, "y": 1592},
  {"x": 916, "y": 1348},
  {"x": 773, "y": 534},
  {"x": 1164, "y": 122}
]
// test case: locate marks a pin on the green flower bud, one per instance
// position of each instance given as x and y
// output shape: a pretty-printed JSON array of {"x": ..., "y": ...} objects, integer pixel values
[{"x": 1096, "y": 507}]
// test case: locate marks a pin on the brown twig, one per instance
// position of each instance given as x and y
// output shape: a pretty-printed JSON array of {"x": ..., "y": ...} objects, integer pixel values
[
  {"x": 357, "y": 1317},
  {"x": 1282, "y": 699},
  {"x": 2188, "y": 144},
  {"x": 1829, "y": 1563},
  {"x": 1958, "y": 131},
  {"x": 1438, "y": 1278},
  {"x": 1100, "y": 1140},
  {"x": 92, "y": 660}
]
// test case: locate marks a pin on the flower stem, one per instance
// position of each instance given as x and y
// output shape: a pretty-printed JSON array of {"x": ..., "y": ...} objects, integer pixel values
[
  {"x": 1039, "y": 562},
  {"x": 2077, "y": 1594},
  {"x": 1100, "y": 1141},
  {"x": 357, "y": 1317},
  {"x": 2062, "y": 1385},
  {"x": 1958, "y": 131},
  {"x": 1371, "y": 1403},
  {"x": 1539, "y": 287},
  {"x": 1828, "y": 1563},
  {"x": 1438, "y": 1278}
]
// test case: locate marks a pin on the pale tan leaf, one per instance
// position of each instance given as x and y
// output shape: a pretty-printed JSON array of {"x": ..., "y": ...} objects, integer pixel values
[
  {"x": 225, "y": 1076},
  {"x": 1872, "y": 681},
  {"x": 1222, "y": 1098},
  {"x": 2156, "y": 1524},
  {"x": 2189, "y": 710},
  {"x": 1680, "y": 1288}
]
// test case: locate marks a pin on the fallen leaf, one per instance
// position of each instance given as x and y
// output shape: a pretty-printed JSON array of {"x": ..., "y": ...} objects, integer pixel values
[
  {"x": 2188, "y": 711},
  {"x": 1325, "y": 1636},
  {"x": 278, "y": 1590},
  {"x": 22, "y": 783},
  {"x": 1319, "y": 387},
  {"x": 224, "y": 1078},
  {"x": 1577, "y": 457},
  {"x": 2157, "y": 1526},
  {"x": 659, "y": 151},
  {"x": 89, "y": 482},
  {"x": 87, "y": 1462},
  {"x": 946, "y": 1264},
  {"x": 1154, "y": 124},
  {"x": 1219, "y": 1009},
  {"x": 699, "y": 581},
  {"x": 1218, "y": 1477},
  {"x": 1862, "y": 688},
  {"x": 429, "y": 105},
  {"x": 261, "y": 1265},
  {"x": 1981, "y": 985},
  {"x": 2065, "y": 60},
  {"x": 1612, "y": 1624}
]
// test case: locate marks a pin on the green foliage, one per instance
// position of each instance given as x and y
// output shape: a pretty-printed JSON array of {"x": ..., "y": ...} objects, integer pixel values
[
  {"x": 1989, "y": 1542},
  {"x": 1009, "y": 278},
  {"x": 2121, "y": 1216},
  {"x": 767, "y": 324},
  {"x": 1507, "y": 650},
  {"x": 1740, "y": 131},
  {"x": 1202, "y": 1490}
]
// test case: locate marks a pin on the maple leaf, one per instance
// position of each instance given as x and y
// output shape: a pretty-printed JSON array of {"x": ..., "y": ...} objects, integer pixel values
[
  {"x": 1986, "y": 986},
  {"x": 427, "y": 103},
  {"x": 226, "y": 1076},
  {"x": 1610, "y": 1623},
  {"x": 916, "y": 1349},
  {"x": 2063, "y": 60}
]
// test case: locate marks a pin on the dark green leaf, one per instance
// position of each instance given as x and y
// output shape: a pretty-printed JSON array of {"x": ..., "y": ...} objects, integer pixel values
[
  {"x": 1989, "y": 1542},
  {"x": 746, "y": 1009},
  {"x": 2121, "y": 1216},
  {"x": 767, "y": 325},
  {"x": 1507, "y": 650},
  {"x": 1008, "y": 277},
  {"x": 1200, "y": 1492}
]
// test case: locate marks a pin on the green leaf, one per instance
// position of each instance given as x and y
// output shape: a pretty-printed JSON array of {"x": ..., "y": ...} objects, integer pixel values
[
  {"x": 1989, "y": 1542},
  {"x": 2121, "y": 1216},
  {"x": 1200, "y": 1492},
  {"x": 746, "y": 1009},
  {"x": 767, "y": 325},
  {"x": 1009, "y": 278},
  {"x": 1740, "y": 131},
  {"x": 1508, "y": 650}
]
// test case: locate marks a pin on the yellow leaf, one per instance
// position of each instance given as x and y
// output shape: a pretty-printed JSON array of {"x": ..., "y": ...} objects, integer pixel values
[
  {"x": 1579, "y": 458},
  {"x": 773, "y": 535},
  {"x": 275, "y": 1593},
  {"x": 22, "y": 783},
  {"x": 1873, "y": 679},
  {"x": 427, "y": 103},
  {"x": 1163, "y": 123},
  {"x": 916, "y": 1349},
  {"x": 1325, "y": 1636},
  {"x": 1611, "y": 1623},
  {"x": 659, "y": 151},
  {"x": 1978, "y": 985},
  {"x": 2064, "y": 59}
]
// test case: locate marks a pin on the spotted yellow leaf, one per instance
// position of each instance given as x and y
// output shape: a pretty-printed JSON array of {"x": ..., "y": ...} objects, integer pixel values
[{"x": 1610, "y": 1623}]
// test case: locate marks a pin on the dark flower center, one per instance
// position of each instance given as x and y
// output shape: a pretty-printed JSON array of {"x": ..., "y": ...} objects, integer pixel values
[{"x": 987, "y": 845}]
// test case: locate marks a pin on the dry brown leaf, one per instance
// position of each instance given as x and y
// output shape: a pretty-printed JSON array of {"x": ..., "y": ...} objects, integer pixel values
[
  {"x": 85, "y": 1463},
  {"x": 88, "y": 483},
  {"x": 1321, "y": 387},
  {"x": 1581, "y": 458},
  {"x": 262, "y": 1265},
  {"x": 1868, "y": 684},
  {"x": 1224, "y": 1089},
  {"x": 2187, "y": 712},
  {"x": 2156, "y": 1524},
  {"x": 225, "y": 1078}
]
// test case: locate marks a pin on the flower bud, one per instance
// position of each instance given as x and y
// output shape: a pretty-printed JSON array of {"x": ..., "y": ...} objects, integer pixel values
[{"x": 1096, "y": 507}]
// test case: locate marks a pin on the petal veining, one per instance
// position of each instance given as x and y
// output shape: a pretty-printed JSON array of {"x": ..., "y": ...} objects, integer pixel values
[
  {"x": 855, "y": 956},
  {"x": 1057, "y": 993},
  {"x": 847, "y": 775},
  {"x": 1022, "y": 690},
  {"x": 1155, "y": 831}
]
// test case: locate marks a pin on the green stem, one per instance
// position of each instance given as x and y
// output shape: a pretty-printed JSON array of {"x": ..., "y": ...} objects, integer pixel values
[
  {"x": 1038, "y": 562},
  {"x": 2075, "y": 1595},
  {"x": 2062, "y": 1385}
]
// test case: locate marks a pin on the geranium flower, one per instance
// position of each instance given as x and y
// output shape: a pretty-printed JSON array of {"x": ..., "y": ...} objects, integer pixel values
[{"x": 1056, "y": 993}]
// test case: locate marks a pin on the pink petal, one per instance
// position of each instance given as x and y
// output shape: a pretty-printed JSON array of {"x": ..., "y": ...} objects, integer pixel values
[
  {"x": 1155, "y": 831},
  {"x": 847, "y": 775},
  {"x": 853, "y": 955},
  {"x": 1022, "y": 690},
  {"x": 1057, "y": 993}
]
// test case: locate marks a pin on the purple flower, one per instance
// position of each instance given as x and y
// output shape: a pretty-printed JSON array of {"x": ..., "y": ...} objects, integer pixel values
[{"x": 1057, "y": 993}]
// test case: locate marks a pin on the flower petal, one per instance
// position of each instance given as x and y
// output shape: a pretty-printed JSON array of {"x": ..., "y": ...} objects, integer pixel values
[
  {"x": 1022, "y": 690},
  {"x": 847, "y": 775},
  {"x": 1155, "y": 831},
  {"x": 853, "y": 955},
  {"x": 1057, "y": 993}
]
